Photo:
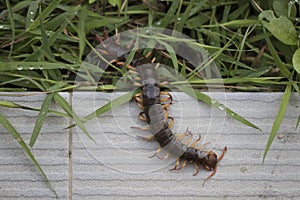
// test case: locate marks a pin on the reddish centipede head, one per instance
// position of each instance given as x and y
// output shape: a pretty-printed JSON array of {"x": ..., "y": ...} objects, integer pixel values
[{"x": 211, "y": 162}]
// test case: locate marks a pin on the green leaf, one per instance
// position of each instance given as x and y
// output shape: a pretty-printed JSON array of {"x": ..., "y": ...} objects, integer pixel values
[
  {"x": 41, "y": 118},
  {"x": 9, "y": 104},
  {"x": 31, "y": 12},
  {"x": 281, "y": 7},
  {"x": 67, "y": 108},
  {"x": 282, "y": 28},
  {"x": 53, "y": 5},
  {"x": 12, "y": 25},
  {"x": 278, "y": 120},
  {"x": 81, "y": 32},
  {"x": 298, "y": 122},
  {"x": 109, "y": 106},
  {"x": 7, "y": 125},
  {"x": 115, "y": 3},
  {"x": 170, "y": 15},
  {"x": 296, "y": 61},
  {"x": 206, "y": 99},
  {"x": 20, "y": 66}
]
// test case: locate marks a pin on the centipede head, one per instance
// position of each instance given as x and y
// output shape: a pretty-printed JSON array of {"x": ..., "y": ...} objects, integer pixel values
[{"x": 211, "y": 161}]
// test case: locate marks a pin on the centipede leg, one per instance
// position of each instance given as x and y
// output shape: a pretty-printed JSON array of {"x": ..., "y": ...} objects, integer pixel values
[
  {"x": 202, "y": 146},
  {"x": 157, "y": 151},
  {"x": 171, "y": 123},
  {"x": 196, "y": 141},
  {"x": 149, "y": 138},
  {"x": 138, "y": 98},
  {"x": 164, "y": 157},
  {"x": 145, "y": 128},
  {"x": 197, "y": 169},
  {"x": 182, "y": 166},
  {"x": 142, "y": 116},
  {"x": 185, "y": 134},
  {"x": 176, "y": 164}
]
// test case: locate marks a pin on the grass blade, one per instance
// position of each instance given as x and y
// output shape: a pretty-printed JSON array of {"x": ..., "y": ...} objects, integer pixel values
[
  {"x": 81, "y": 33},
  {"x": 7, "y": 125},
  {"x": 67, "y": 108},
  {"x": 298, "y": 122},
  {"x": 109, "y": 106},
  {"x": 32, "y": 9},
  {"x": 41, "y": 118},
  {"x": 44, "y": 14},
  {"x": 12, "y": 25},
  {"x": 282, "y": 109},
  {"x": 9, "y": 104},
  {"x": 206, "y": 99}
]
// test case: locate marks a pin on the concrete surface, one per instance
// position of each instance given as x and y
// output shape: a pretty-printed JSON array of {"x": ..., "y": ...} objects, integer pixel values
[{"x": 116, "y": 165}]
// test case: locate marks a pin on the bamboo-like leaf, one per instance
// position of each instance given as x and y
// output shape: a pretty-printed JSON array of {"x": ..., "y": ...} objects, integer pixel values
[
  {"x": 21, "y": 66},
  {"x": 41, "y": 118},
  {"x": 12, "y": 25},
  {"x": 279, "y": 117},
  {"x": 298, "y": 122},
  {"x": 31, "y": 12},
  {"x": 170, "y": 15},
  {"x": 9, "y": 104},
  {"x": 67, "y": 108},
  {"x": 7, "y": 125},
  {"x": 81, "y": 33},
  {"x": 208, "y": 100},
  {"x": 109, "y": 106},
  {"x": 44, "y": 14},
  {"x": 280, "y": 64}
]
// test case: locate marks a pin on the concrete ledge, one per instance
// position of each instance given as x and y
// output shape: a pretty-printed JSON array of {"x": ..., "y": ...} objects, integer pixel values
[{"x": 117, "y": 165}]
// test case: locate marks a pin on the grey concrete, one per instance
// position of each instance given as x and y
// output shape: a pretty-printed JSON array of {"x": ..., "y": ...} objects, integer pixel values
[
  {"x": 116, "y": 165},
  {"x": 19, "y": 178}
]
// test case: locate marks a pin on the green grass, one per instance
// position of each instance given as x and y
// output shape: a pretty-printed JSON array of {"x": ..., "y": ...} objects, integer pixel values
[{"x": 43, "y": 44}]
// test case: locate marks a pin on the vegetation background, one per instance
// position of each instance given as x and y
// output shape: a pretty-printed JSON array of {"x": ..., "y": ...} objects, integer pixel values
[{"x": 254, "y": 43}]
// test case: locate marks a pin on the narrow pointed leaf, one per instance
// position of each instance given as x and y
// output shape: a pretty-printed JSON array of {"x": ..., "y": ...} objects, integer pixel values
[
  {"x": 68, "y": 109},
  {"x": 7, "y": 125},
  {"x": 41, "y": 118},
  {"x": 278, "y": 120},
  {"x": 206, "y": 99},
  {"x": 109, "y": 106}
]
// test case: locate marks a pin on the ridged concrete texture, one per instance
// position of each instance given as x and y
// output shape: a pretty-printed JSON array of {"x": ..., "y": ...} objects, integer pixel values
[{"x": 116, "y": 165}]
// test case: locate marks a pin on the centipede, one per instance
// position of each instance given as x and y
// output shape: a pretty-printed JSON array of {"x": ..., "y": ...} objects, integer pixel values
[{"x": 154, "y": 104}]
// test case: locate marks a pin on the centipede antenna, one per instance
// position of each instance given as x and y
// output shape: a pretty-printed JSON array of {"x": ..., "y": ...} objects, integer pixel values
[{"x": 223, "y": 153}]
